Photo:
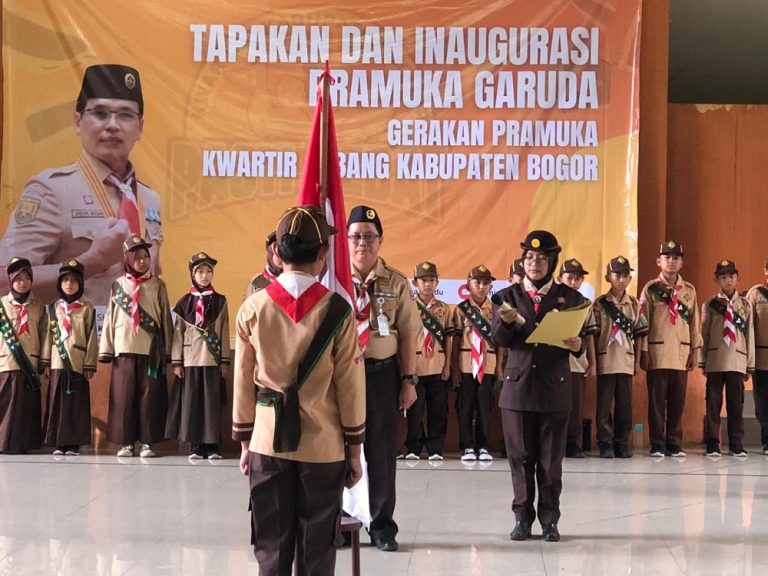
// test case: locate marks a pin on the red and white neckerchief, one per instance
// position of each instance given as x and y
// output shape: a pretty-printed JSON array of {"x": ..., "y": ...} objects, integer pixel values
[
  {"x": 136, "y": 284},
  {"x": 129, "y": 207},
  {"x": 729, "y": 328},
  {"x": 428, "y": 344},
  {"x": 674, "y": 313},
  {"x": 363, "y": 308},
  {"x": 617, "y": 334},
  {"x": 536, "y": 297},
  {"x": 478, "y": 354},
  {"x": 65, "y": 323},
  {"x": 200, "y": 304},
  {"x": 22, "y": 324},
  {"x": 268, "y": 275}
]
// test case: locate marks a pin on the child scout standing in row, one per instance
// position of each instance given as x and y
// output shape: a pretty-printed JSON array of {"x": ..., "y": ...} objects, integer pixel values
[
  {"x": 758, "y": 298},
  {"x": 71, "y": 358},
  {"x": 669, "y": 351},
  {"x": 136, "y": 339},
  {"x": 572, "y": 274},
  {"x": 474, "y": 366},
  {"x": 433, "y": 369},
  {"x": 621, "y": 326},
  {"x": 24, "y": 330},
  {"x": 200, "y": 357},
  {"x": 727, "y": 358}
]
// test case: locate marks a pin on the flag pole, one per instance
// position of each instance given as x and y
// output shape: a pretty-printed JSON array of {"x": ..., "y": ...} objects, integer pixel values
[{"x": 326, "y": 78}]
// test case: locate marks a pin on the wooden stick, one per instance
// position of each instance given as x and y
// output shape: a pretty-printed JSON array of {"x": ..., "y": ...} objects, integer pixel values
[{"x": 324, "y": 137}]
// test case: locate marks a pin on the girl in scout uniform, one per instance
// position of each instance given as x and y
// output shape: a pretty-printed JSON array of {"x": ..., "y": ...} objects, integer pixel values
[
  {"x": 474, "y": 366},
  {"x": 200, "y": 358},
  {"x": 727, "y": 358},
  {"x": 136, "y": 339},
  {"x": 24, "y": 334},
  {"x": 70, "y": 360}
]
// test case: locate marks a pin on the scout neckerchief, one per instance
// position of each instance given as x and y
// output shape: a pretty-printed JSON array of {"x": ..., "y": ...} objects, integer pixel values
[
  {"x": 65, "y": 325},
  {"x": 96, "y": 184},
  {"x": 534, "y": 293},
  {"x": 433, "y": 330},
  {"x": 363, "y": 307},
  {"x": 22, "y": 322},
  {"x": 133, "y": 311},
  {"x": 61, "y": 329},
  {"x": 732, "y": 319},
  {"x": 268, "y": 274},
  {"x": 128, "y": 210},
  {"x": 481, "y": 333},
  {"x": 33, "y": 381},
  {"x": 200, "y": 304},
  {"x": 669, "y": 296},
  {"x": 619, "y": 322}
]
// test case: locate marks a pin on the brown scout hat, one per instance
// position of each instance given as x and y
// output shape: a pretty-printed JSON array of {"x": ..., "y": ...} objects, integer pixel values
[
  {"x": 618, "y": 265},
  {"x": 726, "y": 267},
  {"x": 72, "y": 267},
  {"x": 307, "y": 223},
  {"x": 271, "y": 237},
  {"x": 516, "y": 268},
  {"x": 199, "y": 259},
  {"x": 671, "y": 248},
  {"x": 113, "y": 81},
  {"x": 572, "y": 266},
  {"x": 480, "y": 273},
  {"x": 17, "y": 265},
  {"x": 133, "y": 242},
  {"x": 425, "y": 269},
  {"x": 365, "y": 214}
]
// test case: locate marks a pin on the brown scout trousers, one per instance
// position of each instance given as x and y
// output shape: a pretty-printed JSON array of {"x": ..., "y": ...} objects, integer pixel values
[
  {"x": 760, "y": 391},
  {"x": 578, "y": 383},
  {"x": 734, "y": 405},
  {"x": 616, "y": 390},
  {"x": 295, "y": 511},
  {"x": 666, "y": 401}
]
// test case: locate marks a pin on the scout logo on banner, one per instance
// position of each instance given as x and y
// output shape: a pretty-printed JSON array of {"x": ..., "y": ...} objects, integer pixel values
[{"x": 464, "y": 124}]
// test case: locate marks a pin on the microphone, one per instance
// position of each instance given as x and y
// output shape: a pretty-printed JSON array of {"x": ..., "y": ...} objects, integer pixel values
[{"x": 497, "y": 300}]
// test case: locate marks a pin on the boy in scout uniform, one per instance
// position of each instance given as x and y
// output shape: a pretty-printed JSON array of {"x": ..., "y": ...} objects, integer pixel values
[
  {"x": 272, "y": 269},
  {"x": 200, "y": 358},
  {"x": 300, "y": 437},
  {"x": 536, "y": 396},
  {"x": 475, "y": 366},
  {"x": 22, "y": 321},
  {"x": 621, "y": 326},
  {"x": 388, "y": 324},
  {"x": 86, "y": 210},
  {"x": 669, "y": 352},
  {"x": 727, "y": 358},
  {"x": 572, "y": 274},
  {"x": 70, "y": 362},
  {"x": 136, "y": 340},
  {"x": 758, "y": 299},
  {"x": 433, "y": 369}
]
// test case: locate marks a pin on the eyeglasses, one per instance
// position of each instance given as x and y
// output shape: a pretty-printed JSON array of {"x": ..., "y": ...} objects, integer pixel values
[
  {"x": 368, "y": 238},
  {"x": 123, "y": 116},
  {"x": 536, "y": 258}
]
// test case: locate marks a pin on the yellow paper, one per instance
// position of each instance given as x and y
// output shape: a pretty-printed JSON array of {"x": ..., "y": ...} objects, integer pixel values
[{"x": 560, "y": 325}]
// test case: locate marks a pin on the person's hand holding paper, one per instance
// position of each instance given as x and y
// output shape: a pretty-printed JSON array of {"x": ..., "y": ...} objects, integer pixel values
[{"x": 561, "y": 328}]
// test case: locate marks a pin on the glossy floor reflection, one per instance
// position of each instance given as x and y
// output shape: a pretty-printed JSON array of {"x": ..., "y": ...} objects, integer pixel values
[{"x": 97, "y": 515}]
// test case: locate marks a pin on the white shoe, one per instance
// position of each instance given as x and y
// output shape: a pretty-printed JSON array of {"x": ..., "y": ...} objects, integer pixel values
[
  {"x": 146, "y": 451},
  {"x": 485, "y": 456},
  {"x": 214, "y": 456},
  {"x": 195, "y": 456},
  {"x": 412, "y": 456},
  {"x": 436, "y": 458},
  {"x": 72, "y": 453},
  {"x": 468, "y": 455},
  {"x": 125, "y": 452},
  {"x": 58, "y": 452},
  {"x": 400, "y": 457}
]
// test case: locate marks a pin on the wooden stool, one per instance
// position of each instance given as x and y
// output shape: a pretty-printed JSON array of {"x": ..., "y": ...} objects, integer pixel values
[{"x": 352, "y": 526}]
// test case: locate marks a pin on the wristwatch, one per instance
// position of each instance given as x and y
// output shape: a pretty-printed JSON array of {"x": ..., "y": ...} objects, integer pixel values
[{"x": 412, "y": 377}]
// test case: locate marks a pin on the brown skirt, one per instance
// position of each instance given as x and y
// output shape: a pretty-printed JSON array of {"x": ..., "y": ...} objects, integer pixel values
[
  {"x": 196, "y": 403},
  {"x": 138, "y": 403},
  {"x": 20, "y": 414},
  {"x": 68, "y": 416}
]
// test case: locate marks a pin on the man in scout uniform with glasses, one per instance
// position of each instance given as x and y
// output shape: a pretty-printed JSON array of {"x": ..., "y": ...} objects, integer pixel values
[
  {"x": 86, "y": 210},
  {"x": 668, "y": 353},
  {"x": 388, "y": 323},
  {"x": 536, "y": 395}
]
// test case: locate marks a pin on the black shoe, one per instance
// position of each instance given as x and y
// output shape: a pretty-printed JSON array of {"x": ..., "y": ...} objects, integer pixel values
[
  {"x": 522, "y": 531},
  {"x": 573, "y": 450},
  {"x": 385, "y": 543},
  {"x": 621, "y": 450},
  {"x": 550, "y": 533},
  {"x": 606, "y": 451}
]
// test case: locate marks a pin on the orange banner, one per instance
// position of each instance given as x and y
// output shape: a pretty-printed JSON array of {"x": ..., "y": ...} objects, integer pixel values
[{"x": 464, "y": 123}]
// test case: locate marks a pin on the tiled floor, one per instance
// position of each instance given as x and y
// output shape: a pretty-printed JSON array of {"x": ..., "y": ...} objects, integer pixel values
[{"x": 93, "y": 515}]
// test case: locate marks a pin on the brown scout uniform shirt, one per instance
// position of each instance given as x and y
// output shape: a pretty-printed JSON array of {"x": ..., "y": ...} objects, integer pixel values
[
  {"x": 56, "y": 218},
  {"x": 613, "y": 358},
  {"x": 463, "y": 330},
  {"x": 433, "y": 364},
  {"x": 760, "y": 314},
  {"x": 669, "y": 346},
  {"x": 81, "y": 345},
  {"x": 258, "y": 282},
  {"x": 189, "y": 347},
  {"x": 391, "y": 296},
  {"x": 715, "y": 355},
  {"x": 34, "y": 341},
  {"x": 579, "y": 364},
  {"x": 116, "y": 336},
  {"x": 268, "y": 347}
]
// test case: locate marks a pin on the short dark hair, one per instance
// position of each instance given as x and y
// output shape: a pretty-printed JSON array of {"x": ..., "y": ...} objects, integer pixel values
[{"x": 293, "y": 251}]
